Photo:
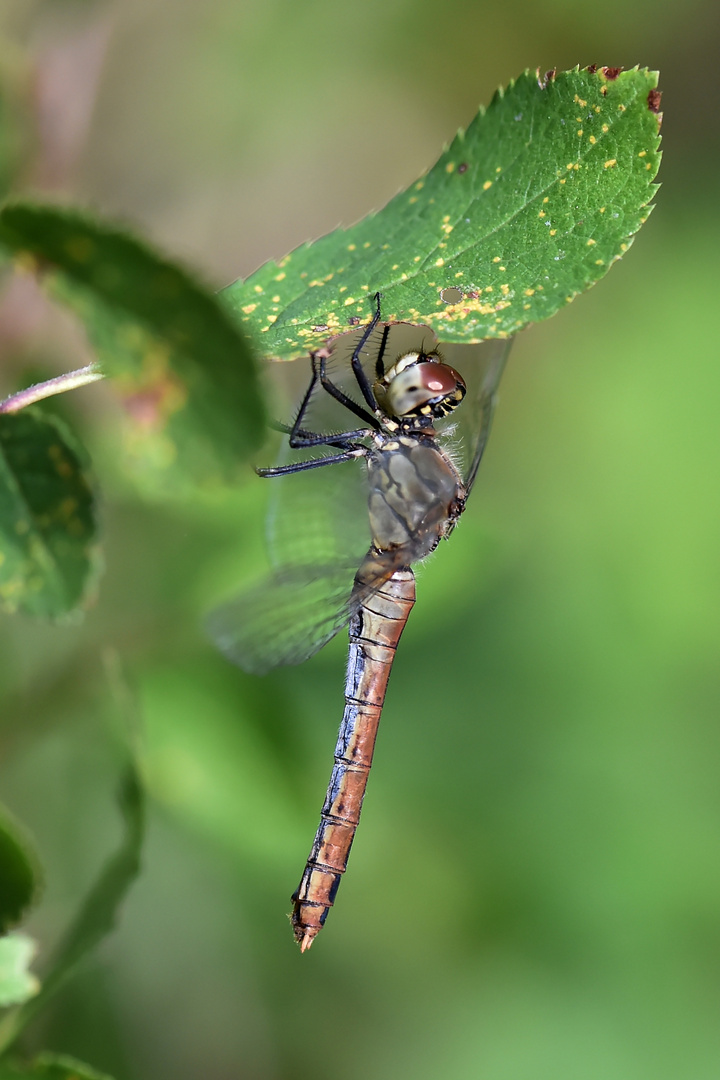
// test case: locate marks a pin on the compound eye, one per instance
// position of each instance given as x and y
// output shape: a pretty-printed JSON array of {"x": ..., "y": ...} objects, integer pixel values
[
  {"x": 438, "y": 379},
  {"x": 434, "y": 389}
]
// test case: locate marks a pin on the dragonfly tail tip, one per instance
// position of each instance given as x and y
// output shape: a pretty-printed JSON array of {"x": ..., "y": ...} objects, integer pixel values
[{"x": 307, "y": 941}]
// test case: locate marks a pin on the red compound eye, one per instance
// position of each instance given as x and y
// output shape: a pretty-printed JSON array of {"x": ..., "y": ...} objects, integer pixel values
[
  {"x": 439, "y": 379},
  {"x": 426, "y": 387}
]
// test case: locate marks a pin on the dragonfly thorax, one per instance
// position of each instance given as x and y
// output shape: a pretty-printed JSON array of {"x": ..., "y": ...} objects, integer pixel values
[{"x": 419, "y": 385}]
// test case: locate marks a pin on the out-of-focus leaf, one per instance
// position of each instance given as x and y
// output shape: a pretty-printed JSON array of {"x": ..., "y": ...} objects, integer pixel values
[
  {"x": 51, "y": 1067},
  {"x": 98, "y": 913},
  {"x": 48, "y": 554},
  {"x": 181, "y": 363},
  {"x": 526, "y": 209},
  {"x": 19, "y": 872},
  {"x": 64, "y": 1067},
  {"x": 9, "y": 1070},
  {"x": 17, "y": 983},
  {"x": 14, "y": 140}
]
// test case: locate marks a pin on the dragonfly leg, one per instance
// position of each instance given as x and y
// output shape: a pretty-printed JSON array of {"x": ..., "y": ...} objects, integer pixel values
[
  {"x": 349, "y": 454},
  {"x": 300, "y": 436},
  {"x": 379, "y": 365},
  {"x": 320, "y": 372},
  {"x": 360, "y": 376},
  {"x": 342, "y": 439},
  {"x": 345, "y": 441},
  {"x": 301, "y": 433}
]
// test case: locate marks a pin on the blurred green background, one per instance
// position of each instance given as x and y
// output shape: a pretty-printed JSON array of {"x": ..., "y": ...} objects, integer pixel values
[{"x": 549, "y": 749}]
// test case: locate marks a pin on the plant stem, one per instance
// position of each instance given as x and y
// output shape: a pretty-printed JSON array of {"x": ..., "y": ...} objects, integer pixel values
[{"x": 70, "y": 381}]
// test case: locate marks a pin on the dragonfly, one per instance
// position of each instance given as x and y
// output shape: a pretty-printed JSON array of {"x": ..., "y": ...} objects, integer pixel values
[{"x": 342, "y": 551}]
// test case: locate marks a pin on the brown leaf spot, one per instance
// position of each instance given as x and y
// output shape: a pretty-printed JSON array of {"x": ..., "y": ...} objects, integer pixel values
[
  {"x": 611, "y": 73},
  {"x": 463, "y": 167},
  {"x": 654, "y": 98}
]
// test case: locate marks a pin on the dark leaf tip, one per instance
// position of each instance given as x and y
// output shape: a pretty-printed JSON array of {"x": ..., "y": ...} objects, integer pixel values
[{"x": 548, "y": 77}]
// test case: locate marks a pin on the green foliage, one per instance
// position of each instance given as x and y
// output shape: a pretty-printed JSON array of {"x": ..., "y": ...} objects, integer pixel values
[
  {"x": 181, "y": 365},
  {"x": 97, "y": 915},
  {"x": 50, "y": 1067},
  {"x": 48, "y": 554},
  {"x": 525, "y": 210},
  {"x": 17, "y": 984},
  {"x": 13, "y": 134},
  {"x": 19, "y": 872},
  {"x": 63, "y": 1067}
]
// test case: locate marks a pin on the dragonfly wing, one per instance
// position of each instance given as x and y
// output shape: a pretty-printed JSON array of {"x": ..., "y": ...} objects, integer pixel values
[
  {"x": 318, "y": 525},
  {"x": 481, "y": 366},
  {"x": 319, "y": 517},
  {"x": 288, "y": 617},
  {"x": 285, "y": 619},
  {"x": 318, "y": 529}
]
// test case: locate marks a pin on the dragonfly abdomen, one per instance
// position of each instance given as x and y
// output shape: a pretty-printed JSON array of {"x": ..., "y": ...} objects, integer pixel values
[{"x": 375, "y": 630}]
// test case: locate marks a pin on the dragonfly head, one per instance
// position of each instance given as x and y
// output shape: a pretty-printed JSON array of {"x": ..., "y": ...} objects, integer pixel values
[{"x": 419, "y": 385}]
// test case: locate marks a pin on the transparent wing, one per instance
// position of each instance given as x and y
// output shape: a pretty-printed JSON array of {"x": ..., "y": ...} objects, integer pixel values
[
  {"x": 318, "y": 531},
  {"x": 285, "y": 619},
  {"x": 288, "y": 617},
  {"x": 318, "y": 526},
  {"x": 318, "y": 517},
  {"x": 481, "y": 366}
]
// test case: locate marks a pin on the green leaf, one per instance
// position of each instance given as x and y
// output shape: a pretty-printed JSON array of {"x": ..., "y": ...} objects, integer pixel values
[
  {"x": 526, "y": 209},
  {"x": 51, "y": 1067},
  {"x": 10, "y": 1070},
  {"x": 48, "y": 555},
  {"x": 64, "y": 1067},
  {"x": 97, "y": 915},
  {"x": 17, "y": 984},
  {"x": 20, "y": 876},
  {"x": 182, "y": 365}
]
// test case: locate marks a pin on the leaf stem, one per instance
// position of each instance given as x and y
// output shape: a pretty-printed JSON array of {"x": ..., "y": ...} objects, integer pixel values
[{"x": 70, "y": 381}]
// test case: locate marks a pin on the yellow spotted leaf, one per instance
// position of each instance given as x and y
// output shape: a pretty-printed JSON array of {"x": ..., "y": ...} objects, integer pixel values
[{"x": 525, "y": 210}]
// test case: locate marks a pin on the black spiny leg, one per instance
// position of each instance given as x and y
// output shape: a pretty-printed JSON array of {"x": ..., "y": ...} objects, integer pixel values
[
  {"x": 379, "y": 365},
  {"x": 344, "y": 441},
  {"x": 315, "y": 463},
  {"x": 359, "y": 373},
  {"x": 361, "y": 377},
  {"x": 310, "y": 438},
  {"x": 300, "y": 437},
  {"x": 319, "y": 372}
]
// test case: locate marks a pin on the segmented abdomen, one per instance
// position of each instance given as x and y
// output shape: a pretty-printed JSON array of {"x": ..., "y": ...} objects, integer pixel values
[{"x": 374, "y": 633}]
